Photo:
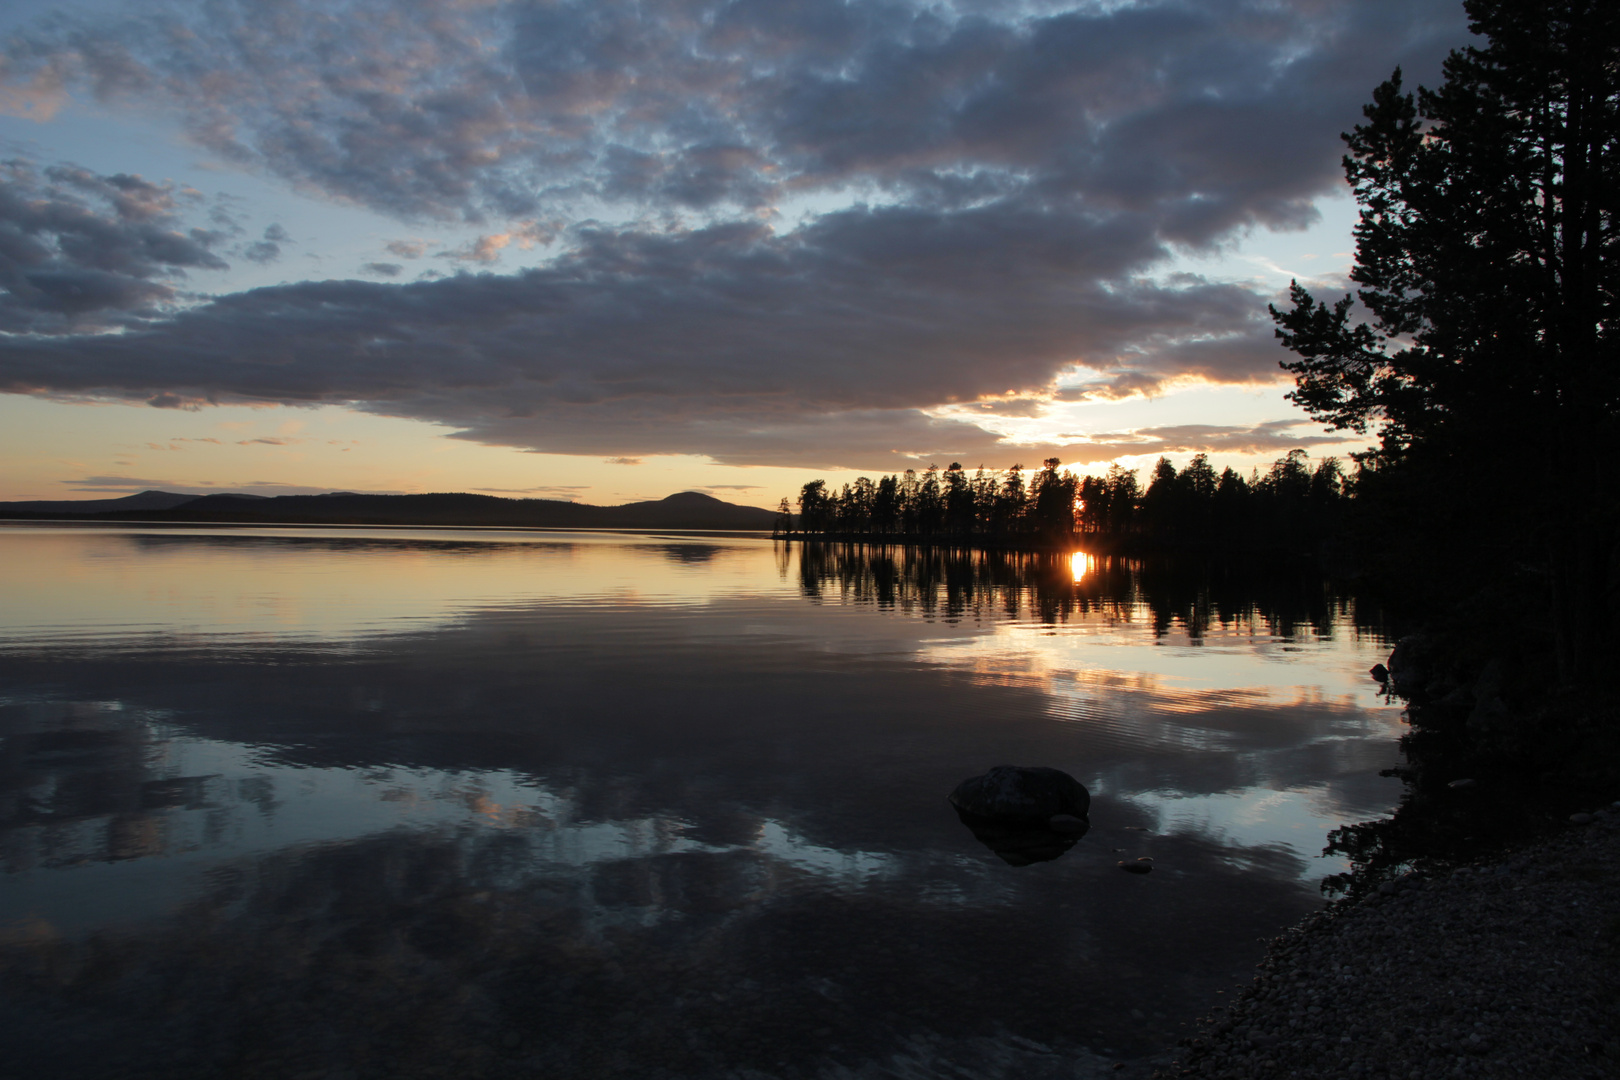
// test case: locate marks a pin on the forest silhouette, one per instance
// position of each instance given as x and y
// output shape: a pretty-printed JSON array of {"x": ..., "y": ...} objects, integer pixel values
[{"x": 1293, "y": 505}]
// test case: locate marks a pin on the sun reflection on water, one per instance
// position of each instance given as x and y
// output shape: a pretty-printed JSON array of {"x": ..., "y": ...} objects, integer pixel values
[{"x": 1080, "y": 564}]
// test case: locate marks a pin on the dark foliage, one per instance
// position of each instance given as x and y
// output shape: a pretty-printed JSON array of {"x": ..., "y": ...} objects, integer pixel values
[
  {"x": 1291, "y": 506},
  {"x": 1483, "y": 349},
  {"x": 1484, "y": 354}
]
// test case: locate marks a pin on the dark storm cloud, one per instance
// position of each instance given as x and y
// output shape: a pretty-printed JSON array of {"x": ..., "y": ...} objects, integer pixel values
[{"x": 1020, "y": 170}]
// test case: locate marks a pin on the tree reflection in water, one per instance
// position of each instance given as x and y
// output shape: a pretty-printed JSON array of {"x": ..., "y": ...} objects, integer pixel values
[{"x": 1055, "y": 587}]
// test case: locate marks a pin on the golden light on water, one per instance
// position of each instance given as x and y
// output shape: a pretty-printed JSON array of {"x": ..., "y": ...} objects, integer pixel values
[{"x": 1081, "y": 564}]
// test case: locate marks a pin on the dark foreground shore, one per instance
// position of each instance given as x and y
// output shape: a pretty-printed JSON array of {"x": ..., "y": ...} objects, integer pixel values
[{"x": 1504, "y": 969}]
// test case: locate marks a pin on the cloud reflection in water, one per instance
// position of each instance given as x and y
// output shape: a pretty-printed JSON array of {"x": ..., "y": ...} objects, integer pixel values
[{"x": 664, "y": 815}]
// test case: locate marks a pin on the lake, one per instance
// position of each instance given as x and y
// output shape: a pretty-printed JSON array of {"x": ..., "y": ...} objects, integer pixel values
[{"x": 364, "y": 802}]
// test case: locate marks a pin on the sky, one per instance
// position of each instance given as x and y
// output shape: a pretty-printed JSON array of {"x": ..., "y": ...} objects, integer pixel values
[{"x": 609, "y": 250}]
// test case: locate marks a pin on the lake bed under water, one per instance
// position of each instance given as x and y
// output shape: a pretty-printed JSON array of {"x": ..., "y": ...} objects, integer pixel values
[{"x": 281, "y": 802}]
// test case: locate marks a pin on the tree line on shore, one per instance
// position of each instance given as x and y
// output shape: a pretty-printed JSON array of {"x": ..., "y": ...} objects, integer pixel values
[{"x": 1294, "y": 502}]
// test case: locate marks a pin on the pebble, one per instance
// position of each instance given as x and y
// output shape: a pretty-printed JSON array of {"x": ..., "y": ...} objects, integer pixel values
[
  {"x": 1140, "y": 866},
  {"x": 1501, "y": 970},
  {"x": 1580, "y": 819}
]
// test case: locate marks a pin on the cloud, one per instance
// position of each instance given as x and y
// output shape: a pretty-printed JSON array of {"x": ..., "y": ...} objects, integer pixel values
[
  {"x": 262, "y": 252},
  {"x": 1208, "y": 114},
  {"x": 36, "y": 94},
  {"x": 712, "y": 341},
  {"x": 552, "y": 491},
  {"x": 623, "y": 461},
  {"x": 487, "y": 249},
  {"x": 83, "y": 252},
  {"x": 1271, "y": 437},
  {"x": 118, "y": 484},
  {"x": 270, "y": 442},
  {"x": 123, "y": 485},
  {"x": 819, "y": 346},
  {"x": 1115, "y": 387},
  {"x": 818, "y": 224}
]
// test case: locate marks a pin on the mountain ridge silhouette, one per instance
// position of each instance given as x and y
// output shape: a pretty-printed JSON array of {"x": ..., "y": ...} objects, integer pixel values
[{"x": 682, "y": 510}]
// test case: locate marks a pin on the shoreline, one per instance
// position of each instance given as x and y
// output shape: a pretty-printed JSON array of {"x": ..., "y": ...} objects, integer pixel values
[{"x": 1503, "y": 968}]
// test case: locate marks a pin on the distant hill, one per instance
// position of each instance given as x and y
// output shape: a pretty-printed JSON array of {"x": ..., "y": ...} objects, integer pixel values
[
  {"x": 146, "y": 500},
  {"x": 686, "y": 510}
]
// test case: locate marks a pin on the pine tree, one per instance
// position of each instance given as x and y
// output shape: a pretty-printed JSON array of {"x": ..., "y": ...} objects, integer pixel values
[{"x": 1487, "y": 325}]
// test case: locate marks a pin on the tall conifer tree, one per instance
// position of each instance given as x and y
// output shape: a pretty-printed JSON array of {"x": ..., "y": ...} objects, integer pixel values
[{"x": 1483, "y": 350}]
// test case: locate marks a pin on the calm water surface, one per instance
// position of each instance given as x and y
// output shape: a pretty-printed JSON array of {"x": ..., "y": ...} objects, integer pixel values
[{"x": 356, "y": 803}]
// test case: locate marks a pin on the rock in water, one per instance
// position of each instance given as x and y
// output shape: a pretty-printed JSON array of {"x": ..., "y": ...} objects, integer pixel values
[
  {"x": 1021, "y": 793},
  {"x": 1019, "y": 843},
  {"x": 1068, "y": 823}
]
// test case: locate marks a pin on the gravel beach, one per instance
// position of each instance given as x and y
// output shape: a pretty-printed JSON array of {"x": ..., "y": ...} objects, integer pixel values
[{"x": 1504, "y": 969}]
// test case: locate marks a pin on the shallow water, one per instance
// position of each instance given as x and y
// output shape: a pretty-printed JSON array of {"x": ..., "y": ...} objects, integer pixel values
[{"x": 485, "y": 803}]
